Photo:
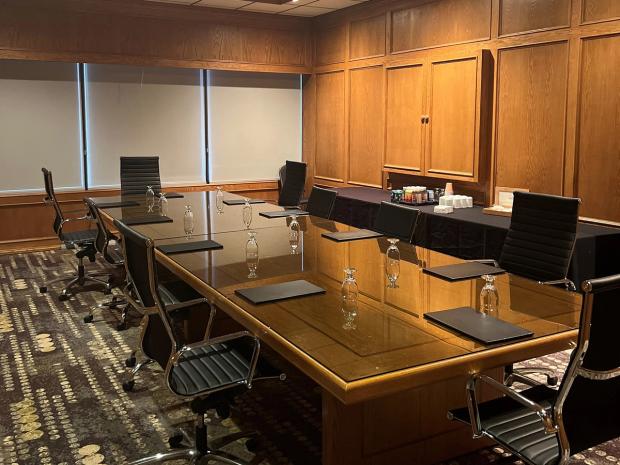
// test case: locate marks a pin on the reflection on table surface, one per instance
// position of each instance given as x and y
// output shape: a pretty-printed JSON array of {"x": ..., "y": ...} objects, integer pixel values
[
  {"x": 389, "y": 332},
  {"x": 207, "y": 219}
]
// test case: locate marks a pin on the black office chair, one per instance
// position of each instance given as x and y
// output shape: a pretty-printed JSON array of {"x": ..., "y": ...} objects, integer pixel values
[
  {"x": 137, "y": 173},
  {"x": 210, "y": 372},
  {"x": 83, "y": 240},
  {"x": 544, "y": 426},
  {"x": 321, "y": 202},
  {"x": 292, "y": 182},
  {"x": 539, "y": 245},
  {"x": 107, "y": 245},
  {"x": 396, "y": 221}
]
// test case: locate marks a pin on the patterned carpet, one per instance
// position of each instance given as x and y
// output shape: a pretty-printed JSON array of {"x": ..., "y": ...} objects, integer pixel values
[{"x": 62, "y": 401}]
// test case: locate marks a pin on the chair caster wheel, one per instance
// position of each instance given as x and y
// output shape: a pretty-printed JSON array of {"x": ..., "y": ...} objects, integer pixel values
[
  {"x": 129, "y": 385},
  {"x": 223, "y": 411},
  {"x": 43, "y": 289},
  {"x": 175, "y": 441},
  {"x": 107, "y": 291},
  {"x": 63, "y": 297},
  {"x": 130, "y": 362},
  {"x": 88, "y": 319},
  {"x": 251, "y": 445},
  {"x": 552, "y": 380},
  {"x": 122, "y": 326}
]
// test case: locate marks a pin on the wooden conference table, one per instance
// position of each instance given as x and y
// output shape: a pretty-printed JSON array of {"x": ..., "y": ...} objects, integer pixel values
[{"x": 388, "y": 376}]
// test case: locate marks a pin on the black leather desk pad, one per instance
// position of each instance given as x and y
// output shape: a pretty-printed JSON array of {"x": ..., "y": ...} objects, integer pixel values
[
  {"x": 283, "y": 213},
  {"x": 475, "y": 325},
  {"x": 122, "y": 203},
  {"x": 173, "y": 195},
  {"x": 136, "y": 220},
  {"x": 242, "y": 201},
  {"x": 281, "y": 291},
  {"x": 462, "y": 271},
  {"x": 345, "y": 236},
  {"x": 195, "y": 246}
]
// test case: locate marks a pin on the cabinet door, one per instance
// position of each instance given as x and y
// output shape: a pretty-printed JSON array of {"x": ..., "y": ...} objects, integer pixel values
[
  {"x": 405, "y": 108},
  {"x": 452, "y": 138}
]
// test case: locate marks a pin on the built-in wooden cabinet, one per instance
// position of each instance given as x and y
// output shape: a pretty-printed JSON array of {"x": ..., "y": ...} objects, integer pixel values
[{"x": 437, "y": 116}]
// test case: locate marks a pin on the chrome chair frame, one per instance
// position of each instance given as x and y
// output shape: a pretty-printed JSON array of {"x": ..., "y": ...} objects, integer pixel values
[
  {"x": 552, "y": 417},
  {"x": 200, "y": 450},
  {"x": 81, "y": 277}
]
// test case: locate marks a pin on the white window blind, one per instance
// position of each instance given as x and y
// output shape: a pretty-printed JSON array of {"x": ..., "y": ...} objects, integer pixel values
[
  {"x": 254, "y": 124},
  {"x": 39, "y": 125},
  {"x": 135, "y": 111}
]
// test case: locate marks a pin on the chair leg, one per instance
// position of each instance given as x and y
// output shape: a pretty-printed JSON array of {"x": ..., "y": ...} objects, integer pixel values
[
  {"x": 129, "y": 384},
  {"x": 187, "y": 454}
]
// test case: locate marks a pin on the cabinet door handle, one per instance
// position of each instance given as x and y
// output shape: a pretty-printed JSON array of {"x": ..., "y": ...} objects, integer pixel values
[{"x": 425, "y": 119}]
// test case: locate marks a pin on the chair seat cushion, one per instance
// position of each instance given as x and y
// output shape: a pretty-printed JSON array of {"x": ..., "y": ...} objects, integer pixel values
[
  {"x": 517, "y": 428},
  {"x": 80, "y": 237},
  {"x": 209, "y": 367}
]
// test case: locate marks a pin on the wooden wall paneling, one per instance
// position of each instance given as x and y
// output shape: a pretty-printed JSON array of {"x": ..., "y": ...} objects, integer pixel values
[
  {"x": 367, "y": 38},
  {"x": 329, "y": 163},
  {"x": 599, "y": 10},
  {"x": 599, "y": 125},
  {"x": 518, "y": 16},
  {"x": 440, "y": 23},
  {"x": 134, "y": 32},
  {"x": 531, "y": 117},
  {"x": 309, "y": 116},
  {"x": 366, "y": 130},
  {"x": 330, "y": 45},
  {"x": 451, "y": 147},
  {"x": 405, "y": 105}
]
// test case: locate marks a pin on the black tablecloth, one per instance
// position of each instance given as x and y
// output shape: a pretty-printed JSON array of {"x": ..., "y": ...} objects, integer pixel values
[{"x": 468, "y": 233}]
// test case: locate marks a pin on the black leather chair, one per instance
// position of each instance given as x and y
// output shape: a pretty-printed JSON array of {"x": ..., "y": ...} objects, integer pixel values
[
  {"x": 108, "y": 247},
  {"x": 139, "y": 172},
  {"x": 83, "y": 240},
  {"x": 396, "y": 221},
  {"x": 321, "y": 202},
  {"x": 292, "y": 182},
  {"x": 209, "y": 372},
  {"x": 539, "y": 245},
  {"x": 544, "y": 426}
]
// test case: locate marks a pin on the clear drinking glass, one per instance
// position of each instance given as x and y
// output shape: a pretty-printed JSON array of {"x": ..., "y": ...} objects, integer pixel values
[
  {"x": 349, "y": 292},
  {"x": 188, "y": 221},
  {"x": 219, "y": 200},
  {"x": 392, "y": 263},
  {"x": 489, "y": 297},
  {"x": 150, "y": 198},
  {"x": 251, "y": 254},
  {"x": 294, "y": 234},
  {"x": 247, "y": 214},
  {"x": 163, "y": 204}
]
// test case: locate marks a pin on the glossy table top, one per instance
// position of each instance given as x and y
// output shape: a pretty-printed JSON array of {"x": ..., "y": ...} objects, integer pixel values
[{"x": 388, "y": 333}]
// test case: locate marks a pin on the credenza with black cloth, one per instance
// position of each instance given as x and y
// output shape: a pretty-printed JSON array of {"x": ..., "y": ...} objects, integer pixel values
[{"x": 470, "y": 234}]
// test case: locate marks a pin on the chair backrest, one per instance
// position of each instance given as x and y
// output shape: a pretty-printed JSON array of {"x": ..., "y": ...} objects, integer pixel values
[
  {"x": 588, "y": 405},
  {"x": 541, "y": 238},
  {"x": 141, "y": 268},
  {"x": 397, "y": 221},
  {"x": 50, "y": 197},
  {"x": 103, "y": 233},
  {"x": 321, "y": 202},
  {"x": 139, "y": 172},
  {"x": 293, "y": 180}
]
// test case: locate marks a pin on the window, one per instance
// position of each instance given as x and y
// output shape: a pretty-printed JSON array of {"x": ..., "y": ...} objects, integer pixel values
[
  {"x": 39, "y": 125},
  {"x": 135, "y": 111},
  {"x": 254, "y": 124}
]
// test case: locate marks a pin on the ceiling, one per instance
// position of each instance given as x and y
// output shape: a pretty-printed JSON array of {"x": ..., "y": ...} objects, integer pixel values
[{"x": 293, "y": 7}]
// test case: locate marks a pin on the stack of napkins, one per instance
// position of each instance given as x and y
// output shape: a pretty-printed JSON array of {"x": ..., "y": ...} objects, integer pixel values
[{"x": 443, "y": 209}]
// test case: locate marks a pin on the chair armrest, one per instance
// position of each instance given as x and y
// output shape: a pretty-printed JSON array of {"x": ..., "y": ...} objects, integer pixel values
[
  {"x": 226, "y": 338},
  {"x": 570, "y": 286},
  {"x": 186, "y": 304},
  {"x": 474, "y": 414}
]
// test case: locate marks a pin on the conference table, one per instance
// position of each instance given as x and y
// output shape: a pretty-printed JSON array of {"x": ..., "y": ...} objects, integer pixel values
[{"x": 388, "y": 375}]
